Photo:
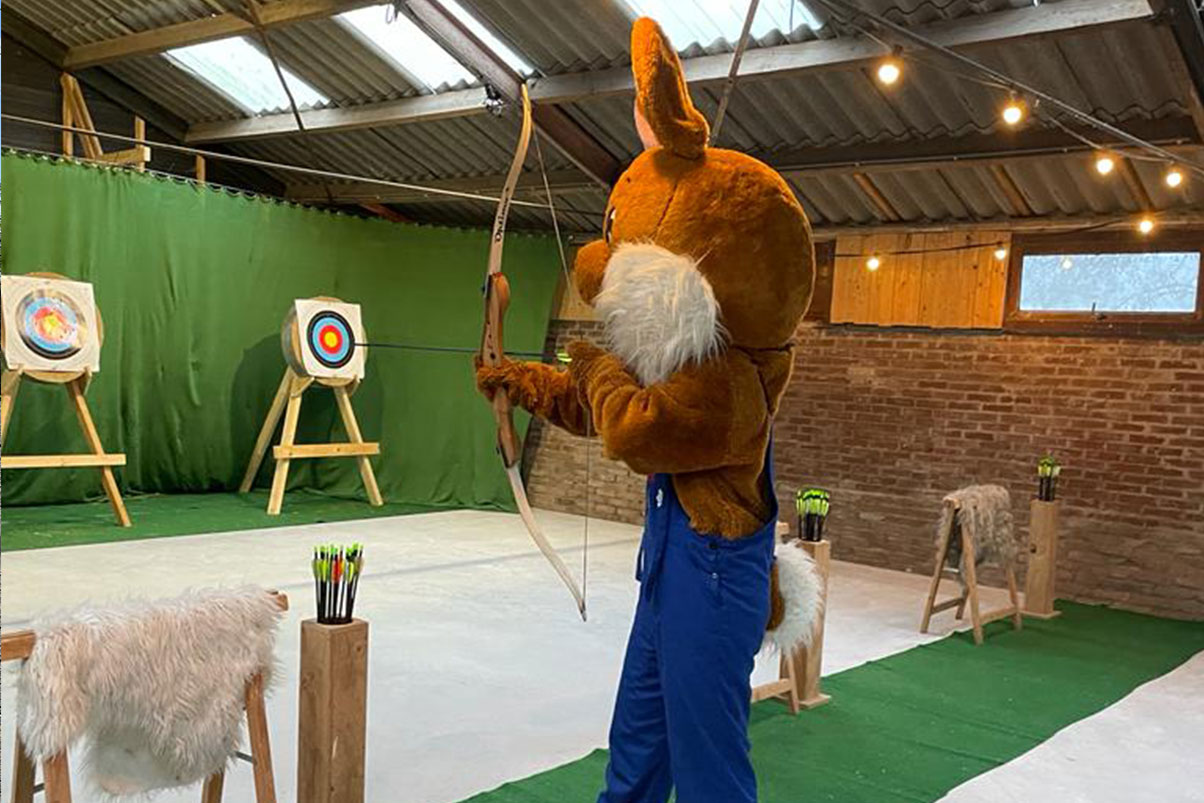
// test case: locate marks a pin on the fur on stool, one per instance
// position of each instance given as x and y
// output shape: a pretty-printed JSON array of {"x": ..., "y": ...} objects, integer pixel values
[
  {"x": 985, "y": 513},
  {"x": 156, "y": 689},
  {"x": 802, "y": 597}
]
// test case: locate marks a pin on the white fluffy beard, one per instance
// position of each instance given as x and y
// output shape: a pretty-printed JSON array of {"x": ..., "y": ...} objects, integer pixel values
[{"x": 659, "y": 310}]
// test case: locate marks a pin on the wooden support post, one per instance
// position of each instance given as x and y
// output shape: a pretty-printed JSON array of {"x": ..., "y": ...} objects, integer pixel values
[
  {"x": 261, "y": 748},
  {"x": 267, "y": 430},
  {"x": 1042, "y": 560},
  {"x": 942, "y": 551},
  {"x": 808, "y": 661},
  {"x": 355, "y": 436},
  {"x": 58, "y": 779},
  {"x": 968, "y": 563},
  {"x": 68, "y": 137},
  {"x": 199, "y": 169},
  {"x": 9, "y": 386},
  {"x": 75, "y": 389},
  {"x": 332, "y": 722},
  {"x": 24, "y": 774},
  {"x": 215, "y": 784},
  {"x": 292, "y": 412},
  {"x": 140, "y": 144}
]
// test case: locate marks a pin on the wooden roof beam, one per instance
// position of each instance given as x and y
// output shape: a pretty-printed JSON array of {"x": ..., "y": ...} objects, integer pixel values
[
  {"x": 208, "y": 29},
  {"x": 573, "y": 141},
  {"x": 881, "y": 203}
]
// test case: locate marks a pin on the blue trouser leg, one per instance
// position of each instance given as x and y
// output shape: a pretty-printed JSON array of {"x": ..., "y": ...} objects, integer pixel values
[{"x": 639, "y": 770}]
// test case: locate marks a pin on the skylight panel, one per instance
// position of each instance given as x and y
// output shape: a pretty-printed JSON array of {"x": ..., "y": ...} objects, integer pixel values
[
  {"x": 512, "y": 59},
  {"x": 238, "y": 70},
  {"x": 703, "y": 21},
  {"x": 407, "y": 46}
]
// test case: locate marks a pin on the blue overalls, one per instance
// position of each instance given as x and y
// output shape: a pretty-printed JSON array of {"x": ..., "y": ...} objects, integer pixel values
[{"x": 681, "y": 717}]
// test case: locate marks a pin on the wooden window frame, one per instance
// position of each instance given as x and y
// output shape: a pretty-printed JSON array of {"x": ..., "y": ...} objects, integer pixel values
[{"x": 1160, "y": 324}]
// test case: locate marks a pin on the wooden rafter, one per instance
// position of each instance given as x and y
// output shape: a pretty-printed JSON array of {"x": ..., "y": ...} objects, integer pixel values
[
  {"x": 886, "y": 210},
  {"x": 1016, "y": 199},
  {"x": 218, "y": 26},
  {"x": 1141, "y": 196}
]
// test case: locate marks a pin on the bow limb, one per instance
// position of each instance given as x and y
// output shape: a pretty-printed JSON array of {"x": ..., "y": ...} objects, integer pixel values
[{"x": 497, "y": 300}]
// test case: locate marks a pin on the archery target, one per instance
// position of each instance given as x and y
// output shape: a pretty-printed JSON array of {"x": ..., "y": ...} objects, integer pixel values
[
  {"x": 50, "y": 324},
  {"x": 330, "y": 333}
]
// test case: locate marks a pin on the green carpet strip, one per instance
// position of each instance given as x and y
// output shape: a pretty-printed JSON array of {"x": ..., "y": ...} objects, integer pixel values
[
  {"x": 42, "y": 526},
  {"x": 913, "y": 726}
]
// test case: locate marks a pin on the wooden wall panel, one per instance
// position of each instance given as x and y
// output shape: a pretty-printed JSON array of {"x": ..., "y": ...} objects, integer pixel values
[{"x": 922, "y": 281}]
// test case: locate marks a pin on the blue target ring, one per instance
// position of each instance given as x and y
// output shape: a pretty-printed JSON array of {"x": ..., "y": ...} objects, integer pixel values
[
  {"x": 51, "y": 325},
  {"x": 330, "y": 339}
]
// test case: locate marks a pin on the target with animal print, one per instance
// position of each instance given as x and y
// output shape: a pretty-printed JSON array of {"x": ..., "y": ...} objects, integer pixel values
[
  {"x": 329, "y": 334},
  {"x": 50, "y": 324}
]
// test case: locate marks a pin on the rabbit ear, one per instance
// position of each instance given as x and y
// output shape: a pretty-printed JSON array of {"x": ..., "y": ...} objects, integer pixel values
[{"x": 661, "y": 97}]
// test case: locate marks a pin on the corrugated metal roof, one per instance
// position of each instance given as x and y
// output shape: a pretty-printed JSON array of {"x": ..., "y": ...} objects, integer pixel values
[{"x": 766, "y": 116}]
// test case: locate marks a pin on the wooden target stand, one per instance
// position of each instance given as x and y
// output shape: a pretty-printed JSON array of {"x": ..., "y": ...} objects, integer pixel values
[
  {"x": 799, "y": 673},
  {"x": 19, "y": 645},
  {"x": 76, "y": 384},
  {"x": 287, "y": 402},
  {"x": 969, "y": 582}
]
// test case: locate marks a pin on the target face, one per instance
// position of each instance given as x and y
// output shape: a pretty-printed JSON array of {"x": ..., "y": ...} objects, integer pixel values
[
  {"x": 330, "y": 339},
  {"x": 49, "y": 324},
  {"x": 329, "y": 333}
]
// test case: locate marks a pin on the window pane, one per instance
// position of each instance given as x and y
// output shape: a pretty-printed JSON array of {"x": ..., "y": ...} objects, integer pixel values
[
  {"x": 688, "y": 22},
  {"x": 235, "y": 68},
  {"x": 1134, "y": 282},
  {"x": 408, "y": 46}
]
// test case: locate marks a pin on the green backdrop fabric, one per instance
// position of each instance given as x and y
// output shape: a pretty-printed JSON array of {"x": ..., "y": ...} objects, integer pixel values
[{"x": 193, "y": 284}]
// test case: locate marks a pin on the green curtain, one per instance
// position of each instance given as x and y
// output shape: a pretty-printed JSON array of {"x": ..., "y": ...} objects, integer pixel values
[{"x": 193, "y": 284}]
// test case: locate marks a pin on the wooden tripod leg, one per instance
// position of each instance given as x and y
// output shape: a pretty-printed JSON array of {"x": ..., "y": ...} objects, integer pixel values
[
  {"x": 1017, "y": 620},
  {"x": 292, "y": 411},
  {"x": 355, "y": 436},
  {"x": 941, "y": 551},
  {"x": 9, "y": 386},
  {"x": 971, "y": 580},
  {"x": 793, "y": 695},
  {"x": 211, "y": 792},
  {"x": 961, "y": 605},
  {"x": 266, "y": 431},
  {"x": 75, "y": 389},
  {"x": 58, "y": 779},
  {"x": 24, "y": 774},
  {"x": 261, "y": 747}
]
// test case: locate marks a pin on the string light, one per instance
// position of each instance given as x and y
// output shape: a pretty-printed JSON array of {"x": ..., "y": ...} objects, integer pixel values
[
  {"x": 873, "y": 263},
  {"x": 1001, "y": 253},
  {"x": 1067, "y": 263},
  {"x": 889, "y": 71},
  {"x": 1173, "y": 178},
  {"x": 1013, "y": 113},
  {"x": 1145, "y": 225},
  {"x": 1105, "y": 163}
]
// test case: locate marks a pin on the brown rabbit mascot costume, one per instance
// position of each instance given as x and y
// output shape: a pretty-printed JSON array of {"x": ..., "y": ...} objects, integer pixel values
[{"x": 704, "y": 271}]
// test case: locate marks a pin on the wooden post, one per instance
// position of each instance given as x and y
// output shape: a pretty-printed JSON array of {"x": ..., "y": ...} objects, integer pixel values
[
  {"x": 808, "y": 661},
  {"x": 200, "y": 169},
  {"x": 292, "y": 412},
  {"x": 58, "y": 779},
  {"x": 24, "y": 774},
  {"x": 9, "y": 386},
  {"x": 1042, "y": 560},
  {"x": 332, "y": 722},
  {"x": 140, "y": 144},
  {"x": 76, "y": 390},
  {"x": 355, "y": 436}
]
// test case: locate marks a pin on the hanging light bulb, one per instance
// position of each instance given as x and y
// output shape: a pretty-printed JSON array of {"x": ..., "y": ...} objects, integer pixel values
[
  {"x": 1001, "y": 253},
  {"x": 1105, "y": 163},
  {"x": 873, "y": 263},
  {"x": 1013, "y": 113},
  {"x": 1145, "y": 225},
  {"x": 1173, "y": 178},
  {"x": 889, "y": 71}
]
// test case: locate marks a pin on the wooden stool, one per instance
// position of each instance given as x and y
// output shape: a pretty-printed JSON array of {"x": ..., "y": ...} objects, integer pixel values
[
  {"x": 1042, "y": 560},
  {"x": 969, "y": 582},
  {"x": 19, "y": 645},
  {"x": 288, "y": 403},
  {"x": 799, "y": 674},
  {"x": 76, "y": 384}
]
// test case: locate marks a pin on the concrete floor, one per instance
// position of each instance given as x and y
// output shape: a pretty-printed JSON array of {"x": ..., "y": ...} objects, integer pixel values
[{"x": 480, "y": 670}]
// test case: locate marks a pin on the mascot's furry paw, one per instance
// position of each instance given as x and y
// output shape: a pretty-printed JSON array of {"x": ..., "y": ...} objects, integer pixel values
[{"x": 801, "y": 599}]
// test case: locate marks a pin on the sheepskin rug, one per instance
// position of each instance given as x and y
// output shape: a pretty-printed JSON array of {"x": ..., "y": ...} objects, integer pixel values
[
  {"x": 154, "y": 689},
  {"x": 803, "y": 595},
  {"x": 985, "y": 512}
]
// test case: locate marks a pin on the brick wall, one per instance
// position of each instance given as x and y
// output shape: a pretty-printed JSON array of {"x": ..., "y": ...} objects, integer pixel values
[{"x": 890, "y": 420}]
